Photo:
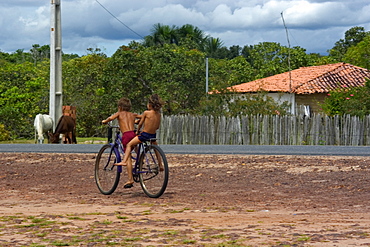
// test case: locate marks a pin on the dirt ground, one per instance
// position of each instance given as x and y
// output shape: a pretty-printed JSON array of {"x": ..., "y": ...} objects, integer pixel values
[{"x": 211, "y": 200}]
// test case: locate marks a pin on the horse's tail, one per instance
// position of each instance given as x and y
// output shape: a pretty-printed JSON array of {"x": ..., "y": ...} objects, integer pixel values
[
  {"x": 57, "y": 127},
  {"x": 74, "y": 139},
  {"x": 36, "y": 124}
]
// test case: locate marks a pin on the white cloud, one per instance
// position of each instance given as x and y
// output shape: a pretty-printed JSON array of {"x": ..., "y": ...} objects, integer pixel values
[{"x": 313, "y": 24}]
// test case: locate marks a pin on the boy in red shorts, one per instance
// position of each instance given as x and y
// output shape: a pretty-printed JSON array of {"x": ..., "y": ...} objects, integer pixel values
[{"x": 126, "y": 121}]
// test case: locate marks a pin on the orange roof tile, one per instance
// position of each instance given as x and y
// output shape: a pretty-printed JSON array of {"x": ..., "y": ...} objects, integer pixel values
[{"x": 308, "y": 80}]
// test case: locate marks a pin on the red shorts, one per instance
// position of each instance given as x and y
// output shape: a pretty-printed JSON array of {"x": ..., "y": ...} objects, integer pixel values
[{"x": 127, "y": 137}]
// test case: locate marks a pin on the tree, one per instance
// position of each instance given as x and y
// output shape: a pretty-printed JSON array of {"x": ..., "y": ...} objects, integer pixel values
[
  {"x": 128, "y": 74},
  {"x": 270, "y": 58},
  {"x": 235, "y": 51},
  {"x": 212, "y": 46},
  {"x": 19, "y": 56},
  {"x": 315, "y": 59},
  {"x": 246, "y": 53},
  {"x": 161, "y": 34},
  {"x": 359, "y": 54},
  {"x": 40, "y": 53},
  {"x": 176, "y": 73},
  {"x": 83, "y": 87},
  {"x": 352, "y": 37},
  {"x": 179, "y": 77},
  {"x": 224, "y": 73},
  {"x": 67, "y": 57},
  {"x": 190, "y": 32},
  {"x": 189, "y": 36},
  {"x": 24, "y": 94}
]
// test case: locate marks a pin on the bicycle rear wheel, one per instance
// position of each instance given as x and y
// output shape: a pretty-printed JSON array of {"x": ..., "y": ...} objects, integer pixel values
[
  {"x": 153, "y": 171},
  {"x": 106, "y": 174}
]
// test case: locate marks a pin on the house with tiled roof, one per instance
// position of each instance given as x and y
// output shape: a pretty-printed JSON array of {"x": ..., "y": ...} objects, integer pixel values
[{"x": 307, "y": 85}]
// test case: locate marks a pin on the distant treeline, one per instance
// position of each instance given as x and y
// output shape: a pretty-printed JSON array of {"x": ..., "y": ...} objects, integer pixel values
[{"x": 174, "y": 68}]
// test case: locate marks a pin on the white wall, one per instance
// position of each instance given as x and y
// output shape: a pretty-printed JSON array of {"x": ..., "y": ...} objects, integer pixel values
[{"x": 282, "y": 97}]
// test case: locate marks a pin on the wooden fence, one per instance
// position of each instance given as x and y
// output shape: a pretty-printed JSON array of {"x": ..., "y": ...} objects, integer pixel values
[{"x": 266, "y": 130}]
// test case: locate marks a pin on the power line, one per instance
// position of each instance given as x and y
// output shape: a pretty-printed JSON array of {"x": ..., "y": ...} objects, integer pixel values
[
  {"x": 118, "y": 19},
  {"x": 287, "y": 36}
]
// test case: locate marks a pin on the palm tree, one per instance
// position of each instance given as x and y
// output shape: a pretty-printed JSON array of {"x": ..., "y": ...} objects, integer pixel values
[
  {"x": 161, "y": 34},
  {"x": 212, "y": 45},
  {"x": 196, "y": 35},
  {"x": 188, "y": 34}
]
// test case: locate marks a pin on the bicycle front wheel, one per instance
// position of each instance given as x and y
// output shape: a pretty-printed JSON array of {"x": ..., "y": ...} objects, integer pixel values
[
  {"x": 106, "y": 174},
  {"x": 153, "y": 171}
]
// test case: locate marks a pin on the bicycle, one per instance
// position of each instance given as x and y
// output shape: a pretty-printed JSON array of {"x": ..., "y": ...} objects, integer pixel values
[{"x": 150, "y": 166}]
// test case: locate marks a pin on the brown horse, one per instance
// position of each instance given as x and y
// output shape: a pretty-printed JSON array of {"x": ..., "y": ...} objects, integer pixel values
[{"x": 67, "y": 126}]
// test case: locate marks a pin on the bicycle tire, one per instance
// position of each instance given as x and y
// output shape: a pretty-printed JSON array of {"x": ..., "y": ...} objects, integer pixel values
[
  {"x": 106, "y": 173},
  {"x": 152, "y": 180}
]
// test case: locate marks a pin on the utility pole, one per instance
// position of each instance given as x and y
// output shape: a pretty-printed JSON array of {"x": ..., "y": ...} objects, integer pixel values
[
  {"x": 56, "y": 97},
  {"x": 292, "y": 95},
  {"x": 206, "y": 75}
]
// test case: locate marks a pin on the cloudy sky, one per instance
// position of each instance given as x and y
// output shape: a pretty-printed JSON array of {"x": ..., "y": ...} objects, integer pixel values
[{"x": 312, "y": 24}]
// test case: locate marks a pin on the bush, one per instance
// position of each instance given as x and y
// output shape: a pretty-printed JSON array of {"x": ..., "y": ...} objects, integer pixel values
[
  {"x": 4, "y": 134},
  {"x": 351, "y": 101},
  {"x": 232, "y": 105}
]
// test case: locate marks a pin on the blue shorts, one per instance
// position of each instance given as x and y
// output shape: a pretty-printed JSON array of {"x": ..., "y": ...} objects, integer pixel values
[{"x": 143, "y": 136}]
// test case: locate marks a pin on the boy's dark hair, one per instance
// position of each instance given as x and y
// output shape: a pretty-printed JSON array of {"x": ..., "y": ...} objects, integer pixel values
[
  {"x": 155, "y": 102},
  {"x": 124, "y": 104}
]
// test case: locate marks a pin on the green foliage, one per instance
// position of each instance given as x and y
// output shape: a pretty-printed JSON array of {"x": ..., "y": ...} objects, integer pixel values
[
  {"x": 269, "y": 58},
  {"x": 352, "y": 37},
  {"x": 83, "y": 87},
  {"x": 39, "y": 53},
  {"x": 359, "y": 54},
  {"x": 352, "y": 101},
  {"x": 24, "y": 93},
  {"x": 315, "y": 59},
  {"x": 164, "y": 34},
  {"x": 232, "y": 105},
  {"x": 170, "y": 62},
  {"x": 4, "y": 134},
  {"x": 175, "y": 73},
  {"x": 127, "y": 75},
  {"x": 224, "y": 73}
]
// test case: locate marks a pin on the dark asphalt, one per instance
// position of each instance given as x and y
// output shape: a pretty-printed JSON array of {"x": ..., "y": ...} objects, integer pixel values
[{"x": 200, "y": 149}]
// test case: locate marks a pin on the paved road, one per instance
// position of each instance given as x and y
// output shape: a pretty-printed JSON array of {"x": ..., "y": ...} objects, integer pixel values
[{"x": 200, "y": 149}]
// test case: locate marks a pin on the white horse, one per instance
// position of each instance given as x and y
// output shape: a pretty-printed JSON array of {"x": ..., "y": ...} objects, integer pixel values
[{"x": 43, "y": 123}]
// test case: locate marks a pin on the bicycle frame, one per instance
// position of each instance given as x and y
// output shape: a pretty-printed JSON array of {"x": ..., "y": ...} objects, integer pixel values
[
  {"x": 150, "y": 167},
  {"x": 117, "y": 146}
]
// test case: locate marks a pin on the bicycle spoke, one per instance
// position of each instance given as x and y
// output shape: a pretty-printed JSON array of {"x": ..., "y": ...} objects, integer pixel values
[
  {"x": 106, "y": 174},
  {"x": 153, "y": 180}
]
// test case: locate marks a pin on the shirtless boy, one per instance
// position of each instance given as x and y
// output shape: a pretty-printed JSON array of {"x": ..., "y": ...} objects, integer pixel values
[{"x": 126, "y": 120}]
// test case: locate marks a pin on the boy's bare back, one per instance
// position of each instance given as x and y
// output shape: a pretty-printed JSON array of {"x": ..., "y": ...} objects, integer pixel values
[
  {"x": 151, "y": 120},
  {"x": 126, "y": 120}
]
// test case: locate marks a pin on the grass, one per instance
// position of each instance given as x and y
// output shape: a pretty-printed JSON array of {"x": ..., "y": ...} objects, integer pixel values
[
  {"x": 75, "y": 218},
  {"x": 80, "y": 140},
  {"x": 188, "y": 241},
  {"x": 147, "y": 212},
  {"x": 303, "y": 238}
]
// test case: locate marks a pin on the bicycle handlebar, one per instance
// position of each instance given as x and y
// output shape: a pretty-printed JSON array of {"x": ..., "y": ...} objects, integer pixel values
[{"x": 110, "y": 125}]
